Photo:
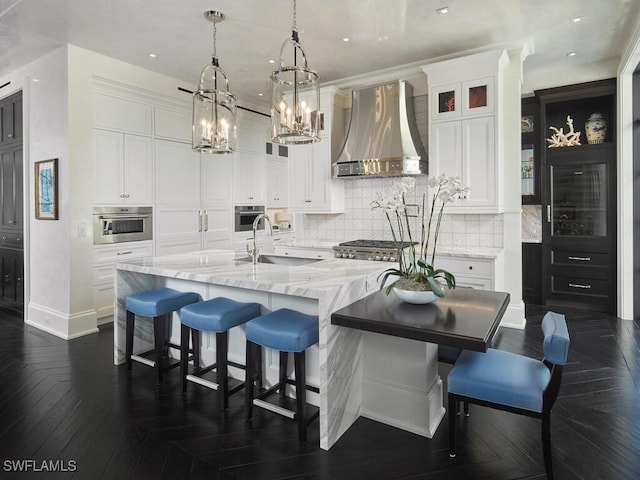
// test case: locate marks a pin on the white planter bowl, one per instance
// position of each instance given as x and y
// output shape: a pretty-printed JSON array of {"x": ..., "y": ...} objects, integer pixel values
[{"x": 415, "y": 297}]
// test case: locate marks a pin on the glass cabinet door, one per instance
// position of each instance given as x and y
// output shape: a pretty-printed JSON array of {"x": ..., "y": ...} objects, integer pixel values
[{"x": 579, "y": 200}]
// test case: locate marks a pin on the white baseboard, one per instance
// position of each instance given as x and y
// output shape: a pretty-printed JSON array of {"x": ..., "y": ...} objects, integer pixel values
[
  {"x": 419, "y": 412},
  {"x": 63, "y": 325},
  {"x": 514, "y": 316}
]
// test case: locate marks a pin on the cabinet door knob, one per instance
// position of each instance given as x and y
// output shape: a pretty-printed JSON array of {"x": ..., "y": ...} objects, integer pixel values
[{"x": 10, "y": 135}]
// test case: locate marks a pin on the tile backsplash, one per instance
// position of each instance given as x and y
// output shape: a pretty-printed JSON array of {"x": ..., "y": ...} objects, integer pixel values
[{"x": 359, "y": 221}]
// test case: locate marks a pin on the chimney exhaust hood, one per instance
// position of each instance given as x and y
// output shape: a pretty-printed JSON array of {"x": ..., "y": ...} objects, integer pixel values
[{"x": 382, "y": 138}]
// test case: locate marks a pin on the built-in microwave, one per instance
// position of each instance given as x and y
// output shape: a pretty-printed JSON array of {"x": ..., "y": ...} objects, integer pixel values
[
  {"x": 245, "y": 215},
  {"x": 122, "y": 224}
]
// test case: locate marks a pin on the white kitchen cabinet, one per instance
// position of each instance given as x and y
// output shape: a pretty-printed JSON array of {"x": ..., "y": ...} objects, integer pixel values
[
  {"x": 125, "y": 115},
  {"x": 249, "y": 160},
  {"x": 104, "y": 259},
  {"x": 465, "y": 111},
  {"x": 193, "y": 202},
  {"x": 277, "y": 175},
  {"x": 312, "y": 188},
  {"x": 471, "y": 272},
  {"x": 249, "y": 178},
  {"x": 172, "y": 123},
  {"x": 304, "y": 252},
  {"x": 122, "y": 168},
  {"x": 469, "y": 147}
]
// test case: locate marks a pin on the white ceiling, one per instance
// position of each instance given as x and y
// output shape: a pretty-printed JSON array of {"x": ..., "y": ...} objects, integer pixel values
[{"x": 383, "y": 34}]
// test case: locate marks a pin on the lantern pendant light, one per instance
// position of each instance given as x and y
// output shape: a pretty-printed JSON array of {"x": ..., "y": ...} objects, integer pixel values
[
  {"x": 214, "y": 106},
  {"x": 295, "y": 95}
]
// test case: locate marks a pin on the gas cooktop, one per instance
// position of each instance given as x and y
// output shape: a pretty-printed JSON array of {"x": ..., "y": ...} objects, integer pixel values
[
  {"x": 376, "y": 250},
  {"x": 376, "y": 244}
]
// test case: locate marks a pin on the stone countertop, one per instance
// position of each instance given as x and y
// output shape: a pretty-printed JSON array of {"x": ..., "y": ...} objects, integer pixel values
[
  {"x": 469, "y": 252},
  {"x": 309, "y": 243},
  {"x": 225, "y": 267}
]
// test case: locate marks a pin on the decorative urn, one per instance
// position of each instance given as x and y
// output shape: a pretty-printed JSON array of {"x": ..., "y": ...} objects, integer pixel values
[{"x": 595, "y": 128}]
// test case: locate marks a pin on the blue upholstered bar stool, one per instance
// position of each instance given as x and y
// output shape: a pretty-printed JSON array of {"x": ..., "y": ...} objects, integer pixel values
[
  {"x": 159, "y": 305},
  {"x": 287, "y": 331},
  {"x": 218, "y": 315}
]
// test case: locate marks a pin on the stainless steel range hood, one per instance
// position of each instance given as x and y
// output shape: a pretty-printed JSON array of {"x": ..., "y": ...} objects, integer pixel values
[{"x": 382, "y": 138}]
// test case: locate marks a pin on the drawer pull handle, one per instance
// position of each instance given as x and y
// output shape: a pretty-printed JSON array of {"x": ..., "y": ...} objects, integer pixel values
[
  {"x": 582, "y": 259},
  {"x": 577, "y": 285},
  {"x": 125, "y": 253}
]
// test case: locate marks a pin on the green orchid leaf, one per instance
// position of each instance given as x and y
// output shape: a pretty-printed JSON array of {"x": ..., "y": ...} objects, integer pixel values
[{"x": 435, "y": 288}]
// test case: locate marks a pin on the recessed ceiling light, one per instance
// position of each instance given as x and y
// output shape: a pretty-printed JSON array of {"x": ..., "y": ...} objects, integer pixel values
[
  {"x": 576, "y": 19},
  {"x": 35, "y": 80},
  {"x": 443, "y": 10},
  {"x": 571, "y": 54},
  {"x": 153, "y": 55},
  {"x": 272, "y": 61},
  {"x": 345, "y": 39},
  {"x": 260, "y": 94}
]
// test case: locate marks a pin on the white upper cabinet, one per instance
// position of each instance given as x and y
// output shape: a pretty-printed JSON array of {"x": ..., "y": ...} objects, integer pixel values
[
  {"x": 172, "y": 123},
  {"x": 121, "y": 114},
  {"x": 277, "y": 175},
  {"x": 249, "y": 160},
  {"x": 312, "y": 188},
  {"x": 122, "y": 168},
  {"x": 465, "y": 110}
]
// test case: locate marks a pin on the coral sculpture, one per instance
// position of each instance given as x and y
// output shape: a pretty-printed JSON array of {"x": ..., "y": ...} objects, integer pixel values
[{"x": 560, "y": 139}]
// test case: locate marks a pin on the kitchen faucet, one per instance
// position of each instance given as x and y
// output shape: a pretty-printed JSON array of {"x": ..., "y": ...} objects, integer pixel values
[{"x": 254, "y": 253}]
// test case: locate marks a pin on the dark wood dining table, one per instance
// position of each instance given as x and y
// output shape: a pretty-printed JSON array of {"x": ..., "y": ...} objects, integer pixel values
[{"x": 465, "y": 318}]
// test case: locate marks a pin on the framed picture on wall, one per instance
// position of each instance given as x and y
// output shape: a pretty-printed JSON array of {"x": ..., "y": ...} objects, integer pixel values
[{"x": 46, "y": 189}]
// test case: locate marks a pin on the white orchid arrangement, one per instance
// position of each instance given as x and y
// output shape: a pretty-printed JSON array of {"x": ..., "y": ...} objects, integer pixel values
[{"x": 416, "y": 267}]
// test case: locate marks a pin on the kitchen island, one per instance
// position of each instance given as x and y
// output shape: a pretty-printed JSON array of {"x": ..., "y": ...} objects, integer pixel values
[{"x": 335, "y": 365}]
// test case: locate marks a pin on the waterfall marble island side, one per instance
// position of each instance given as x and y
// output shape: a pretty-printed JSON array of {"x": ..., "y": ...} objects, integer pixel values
[{"x": 357, "y": 373}]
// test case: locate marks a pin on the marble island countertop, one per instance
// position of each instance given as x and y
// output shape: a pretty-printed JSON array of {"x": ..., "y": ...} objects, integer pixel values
[{"x": 225, "y": 267}]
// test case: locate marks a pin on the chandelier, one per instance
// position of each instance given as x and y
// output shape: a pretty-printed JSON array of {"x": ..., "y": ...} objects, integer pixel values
[
  {"x": 214, "y": 106},
  {"x": 295, "y": 95}
]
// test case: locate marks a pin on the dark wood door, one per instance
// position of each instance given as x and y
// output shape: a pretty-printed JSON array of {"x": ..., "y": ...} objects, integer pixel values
[
  {"x": 11, "y": 119},
  {"x": 532, "y": 273},
  {"x": 11, "y": 189}
]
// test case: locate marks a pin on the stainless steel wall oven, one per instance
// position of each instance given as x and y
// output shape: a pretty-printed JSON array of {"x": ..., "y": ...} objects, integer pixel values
[
  {"x": 245, "y": 215},
  {"x": 122, "y": 224}
]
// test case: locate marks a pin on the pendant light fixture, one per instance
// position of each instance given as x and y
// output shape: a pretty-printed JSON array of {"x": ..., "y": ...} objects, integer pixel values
[
  {"x": 214, "y": 106},
  {"x": 295, "y": 95}
]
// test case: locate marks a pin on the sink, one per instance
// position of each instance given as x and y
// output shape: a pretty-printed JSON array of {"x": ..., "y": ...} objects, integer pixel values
[{"x": 282, "y": 260}]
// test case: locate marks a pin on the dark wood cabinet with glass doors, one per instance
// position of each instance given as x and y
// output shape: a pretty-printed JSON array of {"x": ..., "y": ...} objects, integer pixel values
[{"x": 578, "y": 198}]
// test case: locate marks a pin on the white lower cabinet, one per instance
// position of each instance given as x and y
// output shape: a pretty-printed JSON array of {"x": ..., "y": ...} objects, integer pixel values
[
  {"x": 304, "y": 252},
  {"x": 104, "y": 259},
  {"x": 469, "y": 272},
  {"x": 193, "y": 199}
]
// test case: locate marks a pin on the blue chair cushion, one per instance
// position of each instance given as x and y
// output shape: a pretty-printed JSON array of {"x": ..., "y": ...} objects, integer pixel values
[
  {"x": 285, "y": 330},
  {"x": 500, "y": 377},
  {"x": 162, "y": 301},
  {"x": 556, "y": 338},
  {"x": 218, "y": 314}
]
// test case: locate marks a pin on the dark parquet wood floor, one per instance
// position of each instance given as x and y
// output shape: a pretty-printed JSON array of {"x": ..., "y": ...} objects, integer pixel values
[{"x": 66, "y": 402}]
